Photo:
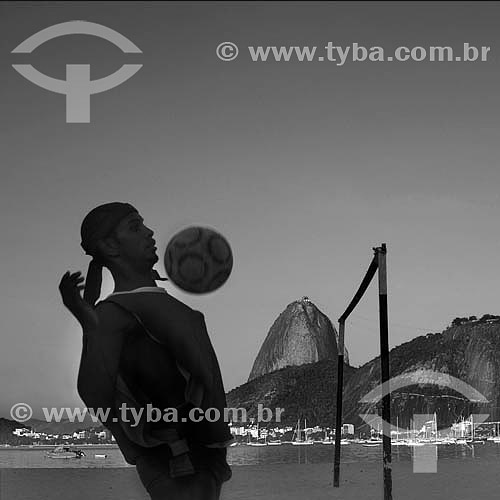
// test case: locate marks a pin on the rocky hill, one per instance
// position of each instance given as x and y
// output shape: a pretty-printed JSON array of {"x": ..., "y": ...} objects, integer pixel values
[
  {"x": 300, "y": 335},
  {"x": 306, "y": 391},
  {"x": 6, "y": 429},
  {"x": 62, "y": 427},
  {"x": 469, "y": 350},
  {"x": 65, "y": 426}
]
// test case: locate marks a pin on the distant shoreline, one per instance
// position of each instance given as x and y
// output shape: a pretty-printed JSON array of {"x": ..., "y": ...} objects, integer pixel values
[{"x": 49, "y": 446}]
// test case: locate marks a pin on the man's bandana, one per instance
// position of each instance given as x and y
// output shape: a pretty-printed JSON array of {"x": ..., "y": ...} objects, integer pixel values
[{"x": 100, "y": 222}]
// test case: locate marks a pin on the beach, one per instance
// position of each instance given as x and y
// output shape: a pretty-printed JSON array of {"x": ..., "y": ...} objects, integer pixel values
[{"x": 460, "y": 481}]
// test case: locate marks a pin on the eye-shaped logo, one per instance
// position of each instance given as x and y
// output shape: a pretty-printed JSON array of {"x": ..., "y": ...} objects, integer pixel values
[
  {"x": 414, "y": 378},
  {"x": 78, "y": 87}
]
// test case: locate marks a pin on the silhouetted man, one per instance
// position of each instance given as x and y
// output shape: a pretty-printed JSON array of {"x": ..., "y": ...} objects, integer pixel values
[{"x": 143, "y": 347}]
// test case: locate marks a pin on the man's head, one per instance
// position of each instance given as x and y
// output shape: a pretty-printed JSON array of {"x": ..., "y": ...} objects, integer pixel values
[{"x": 115, "y": 235}]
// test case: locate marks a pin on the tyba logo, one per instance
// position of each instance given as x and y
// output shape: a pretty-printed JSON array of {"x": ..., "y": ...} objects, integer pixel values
[
  {"x": 414, "y": 378},
  {"x": 425, "y": 458},
  {"x": 78, "y": 87}
]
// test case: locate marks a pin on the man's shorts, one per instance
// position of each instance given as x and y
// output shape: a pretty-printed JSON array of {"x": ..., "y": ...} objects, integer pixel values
[{"x": 211, "y": 470}]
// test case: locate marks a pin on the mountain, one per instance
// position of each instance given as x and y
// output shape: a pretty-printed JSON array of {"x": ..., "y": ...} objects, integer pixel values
[
  {"x": 468, "y": 350},
  {"x": 306, "y": 391},
  {"x": 301, "y": 334},
  {"x": 63, "y": 427},
  {"x": 6, "y": 428}
]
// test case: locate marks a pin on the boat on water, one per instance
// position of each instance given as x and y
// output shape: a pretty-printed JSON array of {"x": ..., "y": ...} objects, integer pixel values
[
  {"x": 372, "y": 443},
  {"x": 261, "y": 441},
  {"x": 327, "y": 439},
  {"x": 65, "y": 452},
  {"x": 399, "y": 442},
  {"x": 298, "y": 441},
  {"x": 343, "y": 442},
  {"x": 496, "y": 437},
  {"x": 466, "y": 438},
  {"x": 302, "y": 443},
  {"x": 415, "y": 442},
  {"x": 274, "y": 442},
  {"x": 375, "y": 439}
]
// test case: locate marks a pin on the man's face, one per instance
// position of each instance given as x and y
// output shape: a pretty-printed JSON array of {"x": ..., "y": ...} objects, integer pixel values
[{"x": 136, "y": 243}]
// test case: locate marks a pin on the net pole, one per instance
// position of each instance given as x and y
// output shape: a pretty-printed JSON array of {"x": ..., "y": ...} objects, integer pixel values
[
  {"x": 380, "y": 253},
  {"x": 340, "y": 365},
  {"x": 338, "y": 420}
]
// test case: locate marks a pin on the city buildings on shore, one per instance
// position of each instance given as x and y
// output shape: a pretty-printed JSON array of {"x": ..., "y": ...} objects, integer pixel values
[{"x": 27, "y": 435}]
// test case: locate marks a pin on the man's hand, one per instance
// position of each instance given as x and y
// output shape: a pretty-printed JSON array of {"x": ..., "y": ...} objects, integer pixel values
[{"x": 70, "y": 287}]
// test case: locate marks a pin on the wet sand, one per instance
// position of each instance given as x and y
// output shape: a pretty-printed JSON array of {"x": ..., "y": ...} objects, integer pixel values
[{"x": 458, "y": 481}]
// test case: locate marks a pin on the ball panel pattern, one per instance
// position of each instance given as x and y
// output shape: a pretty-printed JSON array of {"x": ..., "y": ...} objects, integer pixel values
[{"x": 198, "y": 260}]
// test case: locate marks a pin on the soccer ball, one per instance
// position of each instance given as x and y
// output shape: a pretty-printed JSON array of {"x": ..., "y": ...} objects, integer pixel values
[{"x": 198, "y": 259}]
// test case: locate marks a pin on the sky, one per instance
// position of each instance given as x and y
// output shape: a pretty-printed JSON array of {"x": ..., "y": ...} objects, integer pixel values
[{"x": 303, "y": 166}]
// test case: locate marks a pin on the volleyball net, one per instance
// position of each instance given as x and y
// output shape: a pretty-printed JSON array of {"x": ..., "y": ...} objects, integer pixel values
[{"x": 379, "y": 264}]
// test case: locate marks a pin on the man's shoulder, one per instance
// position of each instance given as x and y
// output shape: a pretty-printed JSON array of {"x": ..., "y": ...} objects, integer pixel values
[
  {"x": 111, "y": 315},
  {"x": 153, "y": 301}
]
